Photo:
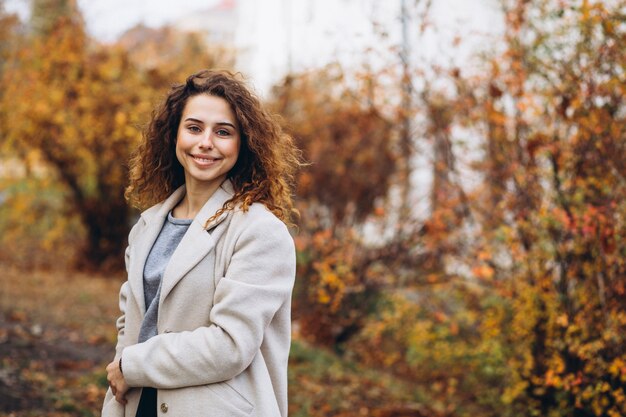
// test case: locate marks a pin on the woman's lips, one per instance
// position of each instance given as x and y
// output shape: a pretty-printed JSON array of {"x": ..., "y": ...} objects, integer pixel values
[{"x": 205, "y": 160}]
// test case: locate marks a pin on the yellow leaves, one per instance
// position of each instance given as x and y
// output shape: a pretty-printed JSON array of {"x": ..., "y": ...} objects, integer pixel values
[
  {"x": 619, "y": 397},
  {"x": 333, "y": 283},
  {"x": 322, "y": 296},
  {"x": 42, "y": 107},
  {"x": 422, "y": 336},
  {"x": 80, "y": 105},
  {"x": 562, "y": 320},
  {"x": 33, "y": 229},
  {"x": 617, "y": 368},
  {"x": 491, "y": 323},
  {"x": 120, "y": 118},
  {"x": 514, "y": 391}
]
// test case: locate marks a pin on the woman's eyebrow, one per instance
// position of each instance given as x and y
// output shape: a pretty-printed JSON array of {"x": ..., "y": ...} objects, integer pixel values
[
  {"x": 226, "y": 124},
  {"x": 192, "y": 119}
]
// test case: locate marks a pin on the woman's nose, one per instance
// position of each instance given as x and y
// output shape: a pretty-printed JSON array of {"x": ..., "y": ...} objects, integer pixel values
[{"x": 206, "y": 142}]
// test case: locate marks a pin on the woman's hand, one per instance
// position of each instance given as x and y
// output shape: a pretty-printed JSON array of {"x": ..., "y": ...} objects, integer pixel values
[{"x": 117, "y": 382}]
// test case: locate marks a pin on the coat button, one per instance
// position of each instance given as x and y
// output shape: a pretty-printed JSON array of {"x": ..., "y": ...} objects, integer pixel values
[{"x": 164, "y": 407}]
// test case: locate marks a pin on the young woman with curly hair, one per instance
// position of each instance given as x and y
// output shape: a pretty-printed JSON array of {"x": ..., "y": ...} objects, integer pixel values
[{"x": 205, "y": 324}]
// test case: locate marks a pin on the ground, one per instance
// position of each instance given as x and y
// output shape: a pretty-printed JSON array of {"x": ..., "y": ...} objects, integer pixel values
[
  {"x": 55, "y": 339},
  {"x": 57, "y": 334},
  {"x": 44, "y": 368}
]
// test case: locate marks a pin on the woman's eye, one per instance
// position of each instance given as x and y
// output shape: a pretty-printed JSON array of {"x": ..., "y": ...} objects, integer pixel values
[
  {"x": 194, "y": 129},
  {"x": 223, "y": 132}
]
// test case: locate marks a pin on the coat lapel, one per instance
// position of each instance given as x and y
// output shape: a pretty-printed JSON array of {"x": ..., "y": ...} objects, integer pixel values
[
  {"x": 154, "y": 218},
  {"x": 197, "y": 242}
]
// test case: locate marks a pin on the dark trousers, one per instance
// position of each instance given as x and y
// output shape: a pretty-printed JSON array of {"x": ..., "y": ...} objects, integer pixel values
[{"x": 147, "y": 403}]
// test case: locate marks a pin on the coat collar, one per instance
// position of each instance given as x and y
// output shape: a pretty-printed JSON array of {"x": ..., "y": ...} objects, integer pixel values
[
  {"x": 159, "y": 211},
  {"x": 195, "y": 245}
]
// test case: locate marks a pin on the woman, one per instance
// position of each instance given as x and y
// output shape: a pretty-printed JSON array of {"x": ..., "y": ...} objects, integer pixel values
[{"x": 205, "y": 324}]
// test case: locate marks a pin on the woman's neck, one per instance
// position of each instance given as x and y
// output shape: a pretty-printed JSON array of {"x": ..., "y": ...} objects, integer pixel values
[{"x": 194, "y": 199}]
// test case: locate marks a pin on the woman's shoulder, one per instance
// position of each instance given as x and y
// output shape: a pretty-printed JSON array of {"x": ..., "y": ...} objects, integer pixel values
[
  {"x": 257, "y": 214},
  {"x": 258, "y": 220},
  {"x": 257, "y": 227}
]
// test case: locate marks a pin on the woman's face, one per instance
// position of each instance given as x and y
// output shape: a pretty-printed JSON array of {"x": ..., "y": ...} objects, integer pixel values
[{"x": 208, "y": 141}]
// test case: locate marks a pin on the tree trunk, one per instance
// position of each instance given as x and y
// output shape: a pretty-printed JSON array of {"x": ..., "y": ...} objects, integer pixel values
[{"x": 107, "y": 224}]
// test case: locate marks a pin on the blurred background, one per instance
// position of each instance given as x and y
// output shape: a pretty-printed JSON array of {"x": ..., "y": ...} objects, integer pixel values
[{"x": 462, "y": 239}]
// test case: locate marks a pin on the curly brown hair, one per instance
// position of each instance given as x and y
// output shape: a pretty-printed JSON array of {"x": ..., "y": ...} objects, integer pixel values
[{"x": 267, "y": 162}]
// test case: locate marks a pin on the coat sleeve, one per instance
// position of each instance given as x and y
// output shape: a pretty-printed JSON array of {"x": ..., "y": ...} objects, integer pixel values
[
  {"x": 259, "y": 280},
  {"x": 111, "y": 408},
  {"x": 120, "y": 324}
]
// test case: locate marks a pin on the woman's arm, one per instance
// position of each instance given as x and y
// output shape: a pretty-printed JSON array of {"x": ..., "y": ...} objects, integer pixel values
[
  {"x": 120, "y": 324},
  {"x": 114, "y": 370},
  {"x": 115, "y": 376},
  {"x": 258, "y": 281}
]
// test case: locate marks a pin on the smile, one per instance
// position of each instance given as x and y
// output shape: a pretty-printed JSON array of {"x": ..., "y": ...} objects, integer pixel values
[{"x": 204, "y": 160}]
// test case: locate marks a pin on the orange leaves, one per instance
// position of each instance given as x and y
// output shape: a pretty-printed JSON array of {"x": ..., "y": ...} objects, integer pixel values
[
  {"x": 562, "y": 320},
  {"x": 483, "y": 272},
  {"x": 349, "y": 144},
  {"x": 562, "y": 227},
  {"x": 519, "y": 291},
  {"x": 332, "y": 290}
]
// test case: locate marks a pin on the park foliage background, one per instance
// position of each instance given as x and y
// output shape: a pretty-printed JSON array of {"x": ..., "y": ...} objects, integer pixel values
[{"x": 506, "y": 297}]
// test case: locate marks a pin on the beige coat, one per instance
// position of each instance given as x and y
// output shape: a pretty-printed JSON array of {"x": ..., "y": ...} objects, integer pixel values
[{"x": 224, "y": 315}]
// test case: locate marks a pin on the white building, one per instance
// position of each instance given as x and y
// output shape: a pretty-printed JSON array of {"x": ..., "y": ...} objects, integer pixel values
[{"x": 218, "y": 23}]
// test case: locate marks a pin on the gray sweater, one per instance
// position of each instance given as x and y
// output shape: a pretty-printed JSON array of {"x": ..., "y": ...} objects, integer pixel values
[{"x": 171, "y": 234}]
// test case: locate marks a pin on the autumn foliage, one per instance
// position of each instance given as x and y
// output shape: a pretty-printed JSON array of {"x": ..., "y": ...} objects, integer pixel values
[
  {"x": 508, "y": 298},
  {"x": 81, "y": 108},
  {"x": 504, "y": 296}
]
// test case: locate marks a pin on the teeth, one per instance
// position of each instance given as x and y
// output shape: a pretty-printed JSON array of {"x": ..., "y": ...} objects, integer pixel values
[{"x": 203, "y": 159}]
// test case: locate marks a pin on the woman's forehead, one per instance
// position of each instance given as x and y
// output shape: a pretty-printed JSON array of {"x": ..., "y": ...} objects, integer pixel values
[{"x": 206, "y": 107}]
